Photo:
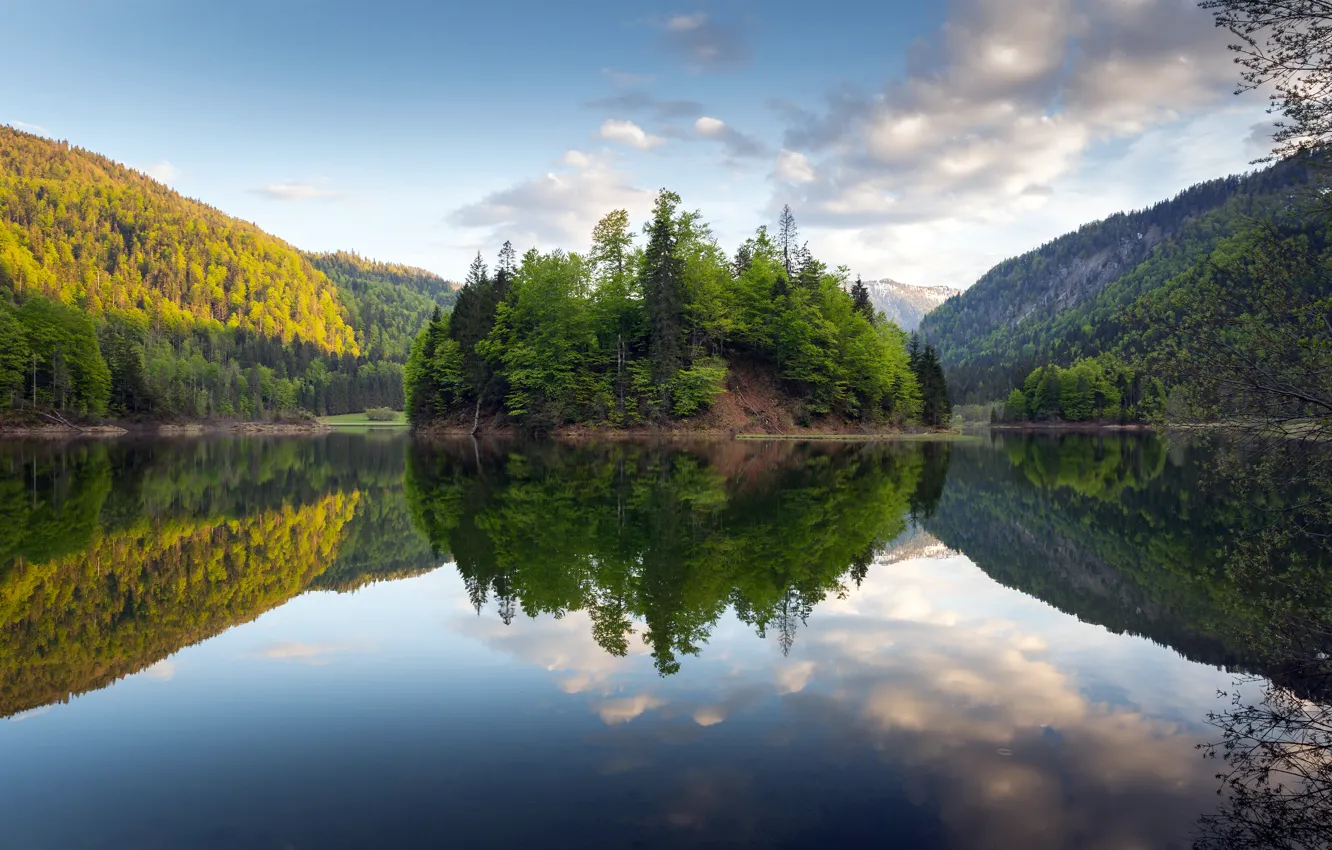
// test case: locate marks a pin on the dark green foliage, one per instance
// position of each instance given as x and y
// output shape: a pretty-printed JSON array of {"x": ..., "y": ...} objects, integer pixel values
[
  {"x": 1067, "y": 300},
  {"x": 1094, "y": 390},
  {"x": 122, "y": 341},
  {"x": 66, "y": 366},
  {"x": 860, "y": 295},
  {"x": 472, "y": 321},
  {"x": 622, "y": 335},
  {"x": 1245, "y": 332},
  {"x": 14, "y": 355},
  {"x": 388, "y": 304},
  {"x": 936, "y": 407},
  {"x": 662, "y": 272}
]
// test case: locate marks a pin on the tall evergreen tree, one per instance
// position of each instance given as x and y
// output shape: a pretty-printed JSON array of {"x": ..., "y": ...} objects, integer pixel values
[
  {"x": 504, "y": 269},
  {"x": 663, "y": 293},
  {"x": 861, "y": 296},
  {"x": 936, "y": 407},
  {"x": 472, "y": 320},
  {"x": 786, "y": 240}
]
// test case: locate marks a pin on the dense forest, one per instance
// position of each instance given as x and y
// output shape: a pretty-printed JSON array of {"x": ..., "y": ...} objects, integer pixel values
[
  {"x": 118, "y": 296},
  {"x": 1072, "y": 299},
  {"x": 1101, "y": 389},
  {"x": 630, "y": 333}
]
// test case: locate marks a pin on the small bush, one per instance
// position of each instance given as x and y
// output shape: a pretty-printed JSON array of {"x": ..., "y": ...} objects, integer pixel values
[
  {"x": 381, "y": 414},
  {"x": 697, "y": 387}
]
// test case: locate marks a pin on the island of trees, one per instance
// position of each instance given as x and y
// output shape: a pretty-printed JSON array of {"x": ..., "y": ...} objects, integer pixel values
[{"x": 631, "y": 334}]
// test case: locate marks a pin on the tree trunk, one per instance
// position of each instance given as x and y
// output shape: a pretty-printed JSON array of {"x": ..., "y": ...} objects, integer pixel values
[{"x": 476, "y": 417}]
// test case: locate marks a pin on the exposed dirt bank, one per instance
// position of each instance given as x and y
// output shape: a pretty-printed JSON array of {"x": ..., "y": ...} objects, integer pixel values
[{"x": 753, "y": 405}]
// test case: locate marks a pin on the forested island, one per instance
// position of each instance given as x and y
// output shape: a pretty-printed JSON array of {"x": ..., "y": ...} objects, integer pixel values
[{"x": 663, "y": 333}]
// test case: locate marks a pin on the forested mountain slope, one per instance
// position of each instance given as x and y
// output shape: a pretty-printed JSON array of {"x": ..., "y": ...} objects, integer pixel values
[
  {"x": 86, "y": 231},
  {"x": 1063, "y": 300},
  {"x": 119, "y": 296},
  {"x": 388, "y": 303}
]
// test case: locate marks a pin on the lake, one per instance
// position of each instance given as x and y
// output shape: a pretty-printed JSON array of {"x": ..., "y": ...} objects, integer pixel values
[{"x": 357, "y": 640}]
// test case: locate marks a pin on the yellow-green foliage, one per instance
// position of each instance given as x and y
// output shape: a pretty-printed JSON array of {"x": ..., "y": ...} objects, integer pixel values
[
  {"x": 132, "y": 597},
  {"x": 88, "y": 232}
]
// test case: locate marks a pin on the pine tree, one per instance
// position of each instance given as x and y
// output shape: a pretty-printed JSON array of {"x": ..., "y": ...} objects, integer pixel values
[
  {"x": 860, "y": 294},
  {"x": 786, "y": 240},
  {"x": 504, "y": 269},
  {"x": 663, "y": 284},
  {"x": 472, "y": 320},
  {"x": 808, "y": 271},
  {"x": 936, "y": 408}
]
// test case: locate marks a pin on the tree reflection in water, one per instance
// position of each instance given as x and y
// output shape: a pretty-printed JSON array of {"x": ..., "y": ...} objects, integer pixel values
[{"x": 668, "y": 537}]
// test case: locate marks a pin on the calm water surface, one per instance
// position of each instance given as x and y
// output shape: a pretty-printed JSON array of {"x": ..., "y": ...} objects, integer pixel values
[{"x": 358, "y": 641}]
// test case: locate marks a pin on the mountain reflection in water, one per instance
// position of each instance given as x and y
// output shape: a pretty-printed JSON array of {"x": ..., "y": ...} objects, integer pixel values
[{"x": 764, "y": 644}]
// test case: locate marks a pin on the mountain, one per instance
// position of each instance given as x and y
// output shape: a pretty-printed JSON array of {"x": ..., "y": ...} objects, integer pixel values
[
  {"x": 388, "y": 304},
  {"x": 118, "y": 295},
  {"x": 905, "y": 304},
  {"x": 1063, "y": 301},
  {"x": 81, "y": 229}
]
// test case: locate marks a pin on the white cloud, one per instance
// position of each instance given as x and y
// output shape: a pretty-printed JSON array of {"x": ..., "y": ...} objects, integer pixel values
[
  {"x": 315, "y": 654},
  {"x": 982, "y": 696},
  {"x": 1009, "y": 102},
  {"x": 737, "y": 144},
  {"x": 616, "y": 711},
  {"x": 162, "y": 671},
  {"x": 556, "y": 210},
  {"x": 292, "y": 190},
  {"x": 629, "y": 133},
  {"x": 709, "y": 715},
  {"x": 711, "y": 127},
  {"x": 793, "y": 167},
  {"x": 162, "y": 172},
  {"x": 686, "y": 23}
]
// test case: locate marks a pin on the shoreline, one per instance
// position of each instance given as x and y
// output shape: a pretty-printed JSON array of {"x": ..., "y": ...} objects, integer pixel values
[
  {"x": 167, "y": 429},
  {"x": 1066, "y": 427},
  {"x": 576, "y": 433}
]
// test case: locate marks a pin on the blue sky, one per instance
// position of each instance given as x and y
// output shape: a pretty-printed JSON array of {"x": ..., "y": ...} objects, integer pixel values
[{"x": 923, "y": 142}]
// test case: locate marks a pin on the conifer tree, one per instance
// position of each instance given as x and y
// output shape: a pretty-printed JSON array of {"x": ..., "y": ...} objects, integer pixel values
[
  {"x": 662, "y": 283},
  {"x": 786, "y": 240},
  {"x": 861, "y": 296},
  {"x": 504, "y": 269},
  {"x": 472, "y": 319}
]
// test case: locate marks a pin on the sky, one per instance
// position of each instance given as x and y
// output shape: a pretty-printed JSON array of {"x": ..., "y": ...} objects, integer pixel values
[{"x": 923, "y": 142}]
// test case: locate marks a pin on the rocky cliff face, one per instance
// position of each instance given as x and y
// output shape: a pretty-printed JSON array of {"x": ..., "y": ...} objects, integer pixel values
[{"x": 905, "y": 304}]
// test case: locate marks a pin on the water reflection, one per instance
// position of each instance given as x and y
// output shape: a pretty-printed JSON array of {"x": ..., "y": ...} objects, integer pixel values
[
  {"x": 668, "y": 538},
  {"x": 761, "y": 644}
]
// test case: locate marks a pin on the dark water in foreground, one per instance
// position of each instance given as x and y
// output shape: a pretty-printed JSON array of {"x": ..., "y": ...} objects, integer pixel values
[{"x": 354, "y": 641}]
